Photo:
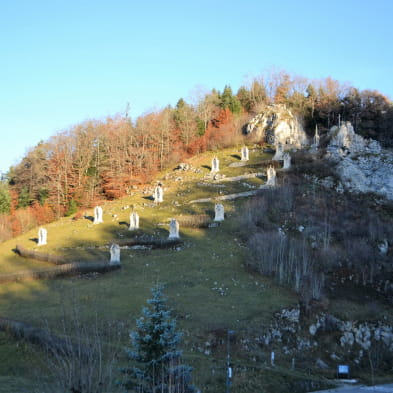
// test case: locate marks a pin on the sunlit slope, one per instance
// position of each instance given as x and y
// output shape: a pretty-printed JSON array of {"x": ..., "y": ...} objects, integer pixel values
[{"x": 206, "y": 280}]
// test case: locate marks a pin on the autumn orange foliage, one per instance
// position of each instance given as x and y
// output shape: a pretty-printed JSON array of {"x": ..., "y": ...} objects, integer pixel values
[{"x": 104, "y": 159}]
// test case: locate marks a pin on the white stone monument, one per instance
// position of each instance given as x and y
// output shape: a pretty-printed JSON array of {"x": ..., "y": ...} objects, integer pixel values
[
  {"x": 245, "y": 153},
  {"x": 219, "y": 212},
  {"x": 158, "y": 195},
  {"x": 42, "y": 233},
  {"x": 134, "y": 221},
  {"x": 97, "y": 215},
  {"x": 279, "y": 152},
  {"x": 215, "y": 165},
  {"x": 115, "y": 255},
  {"x": 383, "y": 247},
  {"x": 173, "y": 229},
  {"x": 271, "y": 176},
  {"x": 316, "y": 138},
  {"x": 287, "y": 160}
]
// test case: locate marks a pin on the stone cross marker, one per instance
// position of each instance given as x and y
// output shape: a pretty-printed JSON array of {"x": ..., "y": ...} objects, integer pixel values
[
  {"x": 287, "y": 160},
  {"x": 115, "y": 255},
  {"x": 215, "y": 165},
  {"x": 271, "y": 176},
  {"x": 219, "y": 212},
  {"x": 279, "y": 152},
  {"x": 245, "y": 153},
  {"x": 173, "y": 229},
  {"x": 97, "y": 215},
  {"x": 158, "y": 195},
  {"x": 134, "y": 221},
  {"x": 316, "y": 138},
  {"x": 42, "y": 233}
]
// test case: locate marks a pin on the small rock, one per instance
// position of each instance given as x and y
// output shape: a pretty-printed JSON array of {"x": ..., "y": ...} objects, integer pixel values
[
  {"x": 313, "y": 329},
  {"x": 321, "y": 364}
]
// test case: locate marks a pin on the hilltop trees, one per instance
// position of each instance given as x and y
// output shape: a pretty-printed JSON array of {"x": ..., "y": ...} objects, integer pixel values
[
  {"x": 229, "y": 101},
  {"x": 252, "y": 96},
  {"x": 155, "y": 354},
  {"x": 104, "y": 159}
]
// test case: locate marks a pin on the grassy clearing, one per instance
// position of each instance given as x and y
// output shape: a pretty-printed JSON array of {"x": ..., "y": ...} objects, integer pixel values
[{"x": 206, "y": 282}]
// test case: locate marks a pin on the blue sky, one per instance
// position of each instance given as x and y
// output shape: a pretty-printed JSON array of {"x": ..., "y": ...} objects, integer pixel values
[{"x": 65, "y": 61}]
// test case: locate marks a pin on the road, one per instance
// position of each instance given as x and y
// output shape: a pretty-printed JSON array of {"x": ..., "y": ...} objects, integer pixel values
[{"x": 360, "y": 389}]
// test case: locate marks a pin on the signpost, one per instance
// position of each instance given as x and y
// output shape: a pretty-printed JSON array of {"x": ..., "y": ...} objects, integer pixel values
[
  {"x": 343, "y": 371},
  {"x": 229, "y": 367}
]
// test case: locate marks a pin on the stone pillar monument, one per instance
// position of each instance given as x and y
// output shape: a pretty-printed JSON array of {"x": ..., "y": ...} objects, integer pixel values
[
  {"x": 158, "y": 195},
  {"x": 316, "y": 138},
  {"x": 287, "y": 160},
  {"x": 42, "y": 234},
  {"x": 215, "y": 165},
  {"x": 97, "y": 215},
  {"x": 173, "y": 229},
  {"x": 245, "y": 153},
  {"x": 279, "y": 152},
  {"x": 134, "y": 221},
  {"x": 271, "y": 176},
  {"x": 219, "y": 212},
  {"x": 115, "y": 255}
]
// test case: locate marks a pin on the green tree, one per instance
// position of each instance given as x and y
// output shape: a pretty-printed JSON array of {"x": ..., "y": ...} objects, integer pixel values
[
  {"x": 5, "y": 199},
  {"x": 258, "y": 92},
  {"x": 228, "y": 100},
  {"x": 252, "y": 96},
  {"x": 184, "y": 117},
  {"x": 24, "y": 198},
  {"x": 244, "y": 96},
  {"x": 72, "y": 208},
  {"x": 207, "y": 108},
  {"x": 155, "y": 355}
]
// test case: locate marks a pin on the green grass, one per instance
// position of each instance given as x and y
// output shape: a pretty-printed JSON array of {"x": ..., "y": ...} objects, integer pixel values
[{"x": 206, "y": 281}]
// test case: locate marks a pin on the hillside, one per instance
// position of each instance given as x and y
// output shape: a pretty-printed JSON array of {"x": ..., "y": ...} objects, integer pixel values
[{"x": 210, "y": 280}]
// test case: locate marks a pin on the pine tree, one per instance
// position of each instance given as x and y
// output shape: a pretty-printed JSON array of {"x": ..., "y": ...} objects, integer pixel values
[
  {"x": 72, "y": 208},
  {"x": 24, "y": 198},
  {"x": 228, "y": 100},
  {"x": 5, "y": 199},
  {"x": 155, "y": 353}
]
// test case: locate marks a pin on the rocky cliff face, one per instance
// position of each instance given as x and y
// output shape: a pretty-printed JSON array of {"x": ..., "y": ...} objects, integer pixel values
[
  {"x": 363, "y": 166},
  {"x": 276, "y": 124}
]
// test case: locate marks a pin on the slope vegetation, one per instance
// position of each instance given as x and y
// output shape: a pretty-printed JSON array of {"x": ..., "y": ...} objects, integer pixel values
[{"x": 207, "y": 281}]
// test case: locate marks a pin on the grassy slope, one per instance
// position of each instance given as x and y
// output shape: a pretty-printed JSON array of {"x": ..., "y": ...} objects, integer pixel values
[{"x": 210, "y": 259}]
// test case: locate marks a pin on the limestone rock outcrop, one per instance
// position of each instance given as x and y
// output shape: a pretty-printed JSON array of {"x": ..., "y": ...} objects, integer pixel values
[
  {"x": 345, "y": 142},
  {"x": 362, "y": 165},
  {"x": 276, "y": 124}
]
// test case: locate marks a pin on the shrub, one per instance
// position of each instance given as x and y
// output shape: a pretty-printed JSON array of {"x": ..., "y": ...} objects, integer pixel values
[{"x": 72, "y": 208}]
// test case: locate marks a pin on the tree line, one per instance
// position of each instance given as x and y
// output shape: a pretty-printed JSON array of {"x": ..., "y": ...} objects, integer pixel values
[{"x": 105, "y": 159}]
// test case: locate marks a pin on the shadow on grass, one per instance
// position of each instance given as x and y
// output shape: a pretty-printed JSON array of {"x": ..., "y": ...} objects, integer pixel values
[
  {"x": 207, "y": 167},
  {"x": 236, "y": 156},
  {"x": 33, "y": 239},
  {"x": 90, "y": 218}
]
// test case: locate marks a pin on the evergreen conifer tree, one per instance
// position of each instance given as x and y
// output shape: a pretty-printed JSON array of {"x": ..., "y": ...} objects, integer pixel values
[
  {"x": 228, "y": 100},
  {"x": 24, "y": 198},
  {"x": 5, "y": 199},
  {"x": 155, "y": 353},
  {"x": 72, "y": 208}
]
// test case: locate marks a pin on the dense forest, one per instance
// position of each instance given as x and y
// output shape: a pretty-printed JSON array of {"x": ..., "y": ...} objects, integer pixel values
[{"x": 105, "y": 159}]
